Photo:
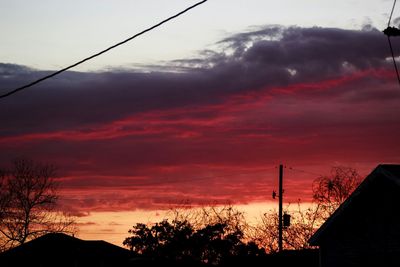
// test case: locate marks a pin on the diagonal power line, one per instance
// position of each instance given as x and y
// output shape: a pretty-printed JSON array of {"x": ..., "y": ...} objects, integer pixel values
[
  {"x": 391, "y": 31},
  {"x": 391, "y": 13},
  {"x": 11, "y": 92},
  {"x": 394, "y": 59}
]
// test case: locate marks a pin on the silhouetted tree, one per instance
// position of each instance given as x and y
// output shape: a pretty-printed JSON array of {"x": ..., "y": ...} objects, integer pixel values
[
  {"x": 202, "y": 216},
  {"x": 329, "y": 192},
  {"x": 180, "y": 241},
  {"x": 161, "y": 239},
  {"x": 28, "y": 195}
]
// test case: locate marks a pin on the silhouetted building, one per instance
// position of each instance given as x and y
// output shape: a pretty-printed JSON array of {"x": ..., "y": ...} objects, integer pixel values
[
  {"x": 64, "y": 250},
  {"x": 365, "y": 229}
]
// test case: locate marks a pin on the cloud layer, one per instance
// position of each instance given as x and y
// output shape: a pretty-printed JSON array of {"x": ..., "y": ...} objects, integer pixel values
[{"x": 210, "y": 128}]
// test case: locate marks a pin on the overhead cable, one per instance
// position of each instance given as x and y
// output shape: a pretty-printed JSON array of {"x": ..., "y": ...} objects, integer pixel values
[
  {"x": 391, "y": 13},
  {"x": 101, "y": 52},
  {"x": 391, "y": 32}
]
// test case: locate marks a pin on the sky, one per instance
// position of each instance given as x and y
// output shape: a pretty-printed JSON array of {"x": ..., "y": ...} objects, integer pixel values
[{"x": 202, "y": 109}]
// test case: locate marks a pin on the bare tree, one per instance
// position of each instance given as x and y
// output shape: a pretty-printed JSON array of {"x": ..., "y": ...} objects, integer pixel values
[
  {"x": 304, "y": 222},
  {"x": 28, "y": 196},
  {"x": 211, "y": 214},
  {"x": 329, "y": 192},
  {"x": 265, "y": 233}
]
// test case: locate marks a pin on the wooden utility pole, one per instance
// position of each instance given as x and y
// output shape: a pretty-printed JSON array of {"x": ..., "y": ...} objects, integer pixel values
[{"x": 280, "y": 241}]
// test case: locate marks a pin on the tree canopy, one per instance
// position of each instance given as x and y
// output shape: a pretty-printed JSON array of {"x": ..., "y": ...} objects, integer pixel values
[{"x": 180, "y": 241}]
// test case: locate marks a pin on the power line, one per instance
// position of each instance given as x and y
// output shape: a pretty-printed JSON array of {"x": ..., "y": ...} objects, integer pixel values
[
  {"x": 391, "y": 13},
  {"x": 394, "y": 60},
  {"x": 304, "y": 171},
  {"x": 392, "y": 31},
  {"x": 101, "y": 52}
]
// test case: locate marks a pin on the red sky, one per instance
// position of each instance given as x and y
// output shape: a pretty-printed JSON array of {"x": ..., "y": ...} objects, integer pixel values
[{"x": 212, "y": 128}]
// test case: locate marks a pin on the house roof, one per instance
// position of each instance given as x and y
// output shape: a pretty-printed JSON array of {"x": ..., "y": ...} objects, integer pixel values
[
  {"x": 389, "y": 172},
  {"x": 60, "y": 247}
]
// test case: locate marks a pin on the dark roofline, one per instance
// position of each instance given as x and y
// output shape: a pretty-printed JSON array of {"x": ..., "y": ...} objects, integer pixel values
[
  {"x": 40, "y": 239},
  {"x": 62, "y": 237},
  {"x": 380, "y": 170}
]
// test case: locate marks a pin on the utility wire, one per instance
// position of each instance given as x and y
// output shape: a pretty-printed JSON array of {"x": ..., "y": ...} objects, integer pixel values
[
  {"x": 391, "y": 13},
  {"x": 394, "y": 60},
  {"x": 101, "y": 52},
  {"x": 387, "y": 32},
  {"x": 303, "y": 171}
]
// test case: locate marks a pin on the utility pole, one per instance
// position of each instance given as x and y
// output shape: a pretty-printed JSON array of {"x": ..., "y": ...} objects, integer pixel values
[{"x": 280, "y": 242}]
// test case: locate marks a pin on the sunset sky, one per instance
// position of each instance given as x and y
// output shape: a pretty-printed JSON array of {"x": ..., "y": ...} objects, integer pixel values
[{"x": 202, "y": 109}]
